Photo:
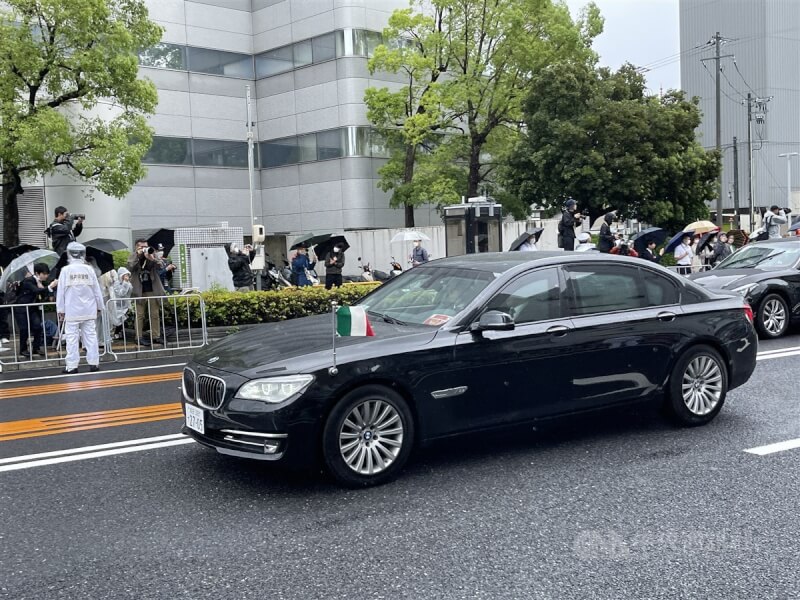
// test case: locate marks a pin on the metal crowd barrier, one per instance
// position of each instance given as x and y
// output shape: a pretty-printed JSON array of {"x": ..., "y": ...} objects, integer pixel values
[
  {"x": 22, "y": 317},
  {"x": 174, "y": 337},
  {"x": 692, "y": 269}
]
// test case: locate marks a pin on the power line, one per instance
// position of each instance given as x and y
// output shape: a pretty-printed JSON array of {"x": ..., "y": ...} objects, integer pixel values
[
  {"x": 747, "y": 85},
  {"x": 724, "y": 93}
]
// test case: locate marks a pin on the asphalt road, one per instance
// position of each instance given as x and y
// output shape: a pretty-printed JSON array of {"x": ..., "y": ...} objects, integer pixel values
[{"x": 618, "y": 506}]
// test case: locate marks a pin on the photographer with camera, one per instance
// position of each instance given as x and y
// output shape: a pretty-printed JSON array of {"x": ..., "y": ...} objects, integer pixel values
[
  {"x": 144, "y": 267},
  {"x": 64, "y": 229},
  {"x": 239, "y": 264},
  {"x": 570, "y": 219}
]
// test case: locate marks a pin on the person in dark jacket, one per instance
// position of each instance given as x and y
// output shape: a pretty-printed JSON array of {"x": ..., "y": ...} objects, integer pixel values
[
  {"x": 722, "y": 250},
  {"x": 29, "y": 318},
  {"x": 606, "y": 240},
  {"x": 239, "y": 264},
  {"x": 300, "y": 263},
  {"x": 649, "y": 253},
  {"x": 418, "y": 254},
  {"x": 334, "y": 261},
  {"x": 566, "y": 227},
  {"x": 64, "y": 229}
]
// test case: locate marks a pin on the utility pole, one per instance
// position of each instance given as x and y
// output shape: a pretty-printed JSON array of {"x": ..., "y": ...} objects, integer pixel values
[
  {"x": 750, "y": 192},
  {"x": 717, "y": 39},
  {"x": 736, "y": 183}
]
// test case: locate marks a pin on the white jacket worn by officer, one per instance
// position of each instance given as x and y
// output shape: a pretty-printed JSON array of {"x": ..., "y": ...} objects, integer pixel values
[{"x": 78, "y": 301}]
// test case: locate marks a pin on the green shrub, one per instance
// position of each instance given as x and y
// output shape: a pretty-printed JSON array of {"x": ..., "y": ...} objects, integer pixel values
[
  {"x": 120, "y": 258},
  {"x": 231, "y": 309}
]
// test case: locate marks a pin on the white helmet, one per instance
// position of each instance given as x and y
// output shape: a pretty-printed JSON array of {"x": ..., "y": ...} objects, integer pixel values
[
  {"x": 584, "y": 238},
  {"x": 76, "y": 252}
]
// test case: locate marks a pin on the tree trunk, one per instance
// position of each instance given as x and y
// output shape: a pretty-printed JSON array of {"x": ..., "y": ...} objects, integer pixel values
[
  {"x": 474, "y": 179},
  {"x": 408, "y": 176},
  {"x": 11, "y": 187}
]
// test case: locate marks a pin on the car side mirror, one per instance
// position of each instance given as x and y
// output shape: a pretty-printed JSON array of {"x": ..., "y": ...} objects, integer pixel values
[{"x": 494, "y": 320}]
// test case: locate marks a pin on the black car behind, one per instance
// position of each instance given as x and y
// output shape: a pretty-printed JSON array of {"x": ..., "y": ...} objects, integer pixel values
[
  {"x": 767, "y": 275},
  {"x": 469, "y": 344}
]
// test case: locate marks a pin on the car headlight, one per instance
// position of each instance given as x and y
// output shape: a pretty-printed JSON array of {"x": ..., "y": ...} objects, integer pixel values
[
  {"x": 275, "y": 389},
  {"x": 744, "y": 290}
]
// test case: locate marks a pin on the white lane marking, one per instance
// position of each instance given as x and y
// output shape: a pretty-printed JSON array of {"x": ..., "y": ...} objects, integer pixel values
[
  {"x": 65, "y": 459},
  {"x": 150, "y": 440},
  {"x": 101, "y": 372},
  {"x": 778, "y": 350},
  {"x": 778, "y": 355},
  {"x": 773, "y": 448}
]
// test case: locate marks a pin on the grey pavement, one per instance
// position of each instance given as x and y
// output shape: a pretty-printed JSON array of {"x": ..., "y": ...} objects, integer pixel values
[{"x": 621, "y": 505}]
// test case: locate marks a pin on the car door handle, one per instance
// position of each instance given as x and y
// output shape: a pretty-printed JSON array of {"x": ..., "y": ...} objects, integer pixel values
[
  {"x": 666, "y": 316},
  {"x": 558, "y": 330}
]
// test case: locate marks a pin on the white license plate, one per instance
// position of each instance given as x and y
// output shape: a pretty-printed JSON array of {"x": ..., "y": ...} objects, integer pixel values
[{"x": 195, "y": 419}]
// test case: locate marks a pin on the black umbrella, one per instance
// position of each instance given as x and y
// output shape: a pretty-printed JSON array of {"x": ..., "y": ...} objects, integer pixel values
[
  {"x": 705, "y": 240},
  {"x": 676, "y": 240},
  {"x": 5, "y": 256},
  {"x": 645, "y": 236},
  {"x": 323, "y": 248},
  {"x": 106, "y": 245},
  {"x": 165, "y": 237},
  {"x": 309, "y": 239},
  {"x": 104, "y": 260},
  {"x": 536, "y": 233}
]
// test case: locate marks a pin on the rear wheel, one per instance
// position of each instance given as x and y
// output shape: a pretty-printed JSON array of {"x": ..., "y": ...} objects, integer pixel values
[
  {"x": 698, "y": 386},
  {"x": 772, "y": 319},
  {"x": 368, "y": 436}
]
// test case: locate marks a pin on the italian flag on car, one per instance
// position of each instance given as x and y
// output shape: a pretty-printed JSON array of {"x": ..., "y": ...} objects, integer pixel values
[{"x": 352, "y": 321}]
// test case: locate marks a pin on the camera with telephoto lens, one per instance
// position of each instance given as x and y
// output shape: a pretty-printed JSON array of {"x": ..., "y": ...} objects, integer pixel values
[{"x": 79, "y": 217}]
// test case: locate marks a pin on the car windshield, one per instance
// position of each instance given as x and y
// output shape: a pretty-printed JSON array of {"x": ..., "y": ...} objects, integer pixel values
[
  {"x": 768, "y": 256},
  {"x": 426, "y": 296}
]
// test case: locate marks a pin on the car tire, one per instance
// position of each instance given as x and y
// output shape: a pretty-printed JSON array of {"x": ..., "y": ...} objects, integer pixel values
[
  {"x": 368, "y": 436},
  {"x": 697, "y": 386},
  {"x": 772, "y": 318}
]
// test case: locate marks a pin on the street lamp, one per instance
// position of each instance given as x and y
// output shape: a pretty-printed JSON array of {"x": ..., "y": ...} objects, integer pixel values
[{"x": 789, "y": 156}]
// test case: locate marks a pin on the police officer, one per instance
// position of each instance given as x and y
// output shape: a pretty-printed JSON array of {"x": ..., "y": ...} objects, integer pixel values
[{"x": 78, "y": 301}]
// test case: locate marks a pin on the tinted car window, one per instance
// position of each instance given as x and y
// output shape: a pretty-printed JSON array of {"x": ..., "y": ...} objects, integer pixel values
[
  {"x": 533, "y": 297},
  {"x": 604, "y": 288},
  {"x": 658, "y": 290}
]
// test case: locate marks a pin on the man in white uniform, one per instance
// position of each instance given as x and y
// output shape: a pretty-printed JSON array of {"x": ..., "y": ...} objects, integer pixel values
[{"x": 78, "y": 302}]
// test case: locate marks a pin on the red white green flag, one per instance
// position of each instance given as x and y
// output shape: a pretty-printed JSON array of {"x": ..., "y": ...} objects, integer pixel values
[{"x": 352, "y": 321}]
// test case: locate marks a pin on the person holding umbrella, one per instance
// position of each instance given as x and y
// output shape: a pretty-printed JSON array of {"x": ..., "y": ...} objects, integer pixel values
[
  {"x": 684, "y": 254},
  {"x": 301, "y": 263},
  {"x": 418, "y": 254},
  {"x": 528, "y": 245},
  {"x": 334, "y": 261}
]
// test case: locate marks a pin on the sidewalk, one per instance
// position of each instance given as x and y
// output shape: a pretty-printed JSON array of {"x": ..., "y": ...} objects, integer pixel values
[{"x": 214, "y": 334}]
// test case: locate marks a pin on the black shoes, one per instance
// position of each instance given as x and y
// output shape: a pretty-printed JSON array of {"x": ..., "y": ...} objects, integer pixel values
[
  {"x": 144, "y": 343},
  {"x": 94, "y": 368},
  {"x": 70, "y": 371},
  {"x": 158, "y": 340}
]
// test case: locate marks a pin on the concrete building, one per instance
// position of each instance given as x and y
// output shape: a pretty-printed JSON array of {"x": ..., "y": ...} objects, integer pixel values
[
  {"x": 761, "y": 39},
  {"x": 317, "y": 158}
]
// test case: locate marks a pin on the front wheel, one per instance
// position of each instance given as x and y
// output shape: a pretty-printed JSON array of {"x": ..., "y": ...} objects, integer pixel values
[
  {"x": 697, "y": 386},
  {"x": 368, "y": 436},
  {"x": 772, "y": 319}
]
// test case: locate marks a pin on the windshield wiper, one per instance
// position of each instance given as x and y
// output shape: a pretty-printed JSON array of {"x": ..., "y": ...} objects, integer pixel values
[
  {"x": 763, "y": 258},
  {"x": 387, "y": 318}
]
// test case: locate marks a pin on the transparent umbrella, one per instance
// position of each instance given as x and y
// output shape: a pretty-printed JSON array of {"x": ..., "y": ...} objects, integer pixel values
[
  {"x": 409, "y": 236},
  {"x": 23, "y": 264}
]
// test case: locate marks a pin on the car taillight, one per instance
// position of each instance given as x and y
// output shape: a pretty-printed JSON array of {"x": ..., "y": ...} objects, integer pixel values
[{"x": 748, "y": 312}]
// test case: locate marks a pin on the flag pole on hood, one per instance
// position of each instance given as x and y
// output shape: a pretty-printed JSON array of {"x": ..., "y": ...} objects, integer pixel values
[{"x": 333, "y": 371}]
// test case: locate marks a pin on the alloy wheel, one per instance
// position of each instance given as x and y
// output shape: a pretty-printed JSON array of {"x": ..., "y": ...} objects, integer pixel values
[
  {"x": 774, "y": 316},
  {"x": 702, "y": 385},
  {"x": 371, "y": 437}
]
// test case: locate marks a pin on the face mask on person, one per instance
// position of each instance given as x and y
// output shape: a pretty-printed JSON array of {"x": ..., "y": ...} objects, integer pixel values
[{"x": 336, "y": 250}]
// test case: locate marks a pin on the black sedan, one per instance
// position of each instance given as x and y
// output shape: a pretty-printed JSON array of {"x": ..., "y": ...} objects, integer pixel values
[
  {"x": 767, "y": 275},
  {"x": 468, "y": 344}
]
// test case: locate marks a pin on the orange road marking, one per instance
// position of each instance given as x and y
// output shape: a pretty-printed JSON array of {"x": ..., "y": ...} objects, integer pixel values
[
  {"x": 77, "y": 386},
  {"x": 16, "y": 430}
]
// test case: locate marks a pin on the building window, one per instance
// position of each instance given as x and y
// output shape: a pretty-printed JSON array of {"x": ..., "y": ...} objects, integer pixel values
[
  {"x": 218, "y": 62},
  {"x": 323, "y": 47},
  {"x": 220, "y": 153},
  {"x": 164, "y": 56},
  {"x": 275, "y": 61},
  {"x": 169, "y": 151},
  {"x": 278, "y": 153},
  {"x": 330, "y": 144}
]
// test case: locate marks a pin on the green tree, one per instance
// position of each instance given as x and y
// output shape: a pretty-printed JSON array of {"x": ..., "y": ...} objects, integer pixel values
[
  {"x": 598, "y": 137},
  {"x": 411, "y": 116},
  {"x": 69, "y": 94}
]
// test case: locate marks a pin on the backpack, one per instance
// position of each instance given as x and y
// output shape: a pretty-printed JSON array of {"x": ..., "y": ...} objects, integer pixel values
[
  {"x": 764, "y": 235},
  {"x": 12, "y": 291}
]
